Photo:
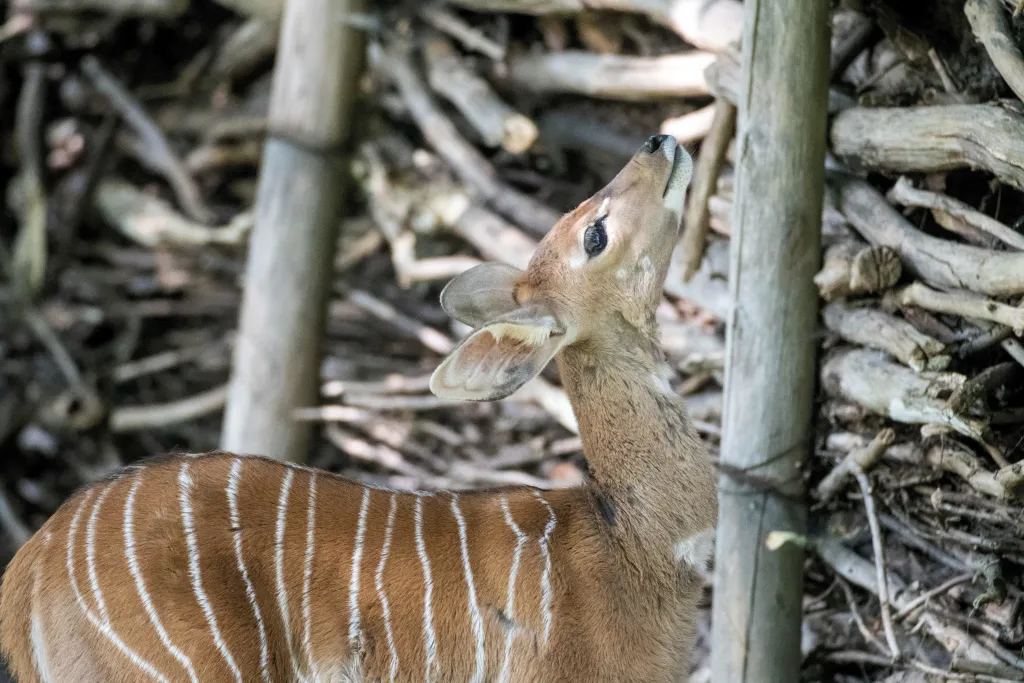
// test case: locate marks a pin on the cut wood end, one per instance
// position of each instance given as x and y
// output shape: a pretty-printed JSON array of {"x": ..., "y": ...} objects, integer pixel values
[
  {"x": 875, "y": 269},
  {"x": 519, "y": 133}
]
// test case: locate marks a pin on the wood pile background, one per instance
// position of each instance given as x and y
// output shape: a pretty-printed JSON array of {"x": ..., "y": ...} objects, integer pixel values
[{"x": 131, "y": 133}]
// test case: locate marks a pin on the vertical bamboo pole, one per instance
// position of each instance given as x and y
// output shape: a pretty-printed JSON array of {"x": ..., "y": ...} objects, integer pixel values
[
  {"x": 298, "y": 207},
  {"x": 770, "y": 348}
]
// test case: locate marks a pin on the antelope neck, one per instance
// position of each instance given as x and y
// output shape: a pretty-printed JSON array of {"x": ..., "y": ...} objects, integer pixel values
[{"x": 652, "y": 479}]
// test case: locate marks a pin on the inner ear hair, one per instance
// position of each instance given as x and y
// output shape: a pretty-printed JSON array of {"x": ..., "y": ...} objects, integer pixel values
[
  {"x": 482, "y": 293},
  {"x": 499, "y": 358}
]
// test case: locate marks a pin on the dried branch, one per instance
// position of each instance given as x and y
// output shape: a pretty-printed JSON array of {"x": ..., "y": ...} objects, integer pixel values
[
  {"x": 29, "y": 257},
  {"x": 438, "y": 203},
  {"x": 953, "y": 457},
  {"x": 152, "y": 222},
  {"x": 851, "y": 268},
  {"x": 497, "y": 123},
  {"x": 923, "y": 598},
  {"x": 251, "y": 43},
  {"x": 156, "y": 151},
  {"x": 378, "y": 454},
  {"x": 705, "y": 181},
  {"x": 860, "y": 36},
  {"x": 937, "y": 138},
  {"x": 165, "y": 360},
  {"x": 962, "y": 304},
  {"x": 471, "y": 38},
  {"x": 939, "y": 262},
  {"x": 991, "y": 27},
  {"x": 428, "y": 336},
  {"x": 708, "y": 24},
  {"x": 857, "y": 460},
  {"x": 552, "y": 399},
  {"x": 157, "y": 9},
  {"x": 861, "y": 572},
  {"x": 868, "y": 379},
  {"x": 264, "y": 10},
  {"x": 136, "y": 418},
  {"x": 212, "y": 155},
  {"x": 874, "y": 328},
  {"x": 880, "y": 572},
  {"x": 693, "y": 125},
  {"x": 469, "y": 165},
  {"x": 904, "y": 193},
  {"x": 617, "y": 77}
]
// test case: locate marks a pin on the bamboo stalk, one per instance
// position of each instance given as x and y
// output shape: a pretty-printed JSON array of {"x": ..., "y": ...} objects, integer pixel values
[
  {"x": 771, "y": 341},
  {"x": 277, "y": 355}
]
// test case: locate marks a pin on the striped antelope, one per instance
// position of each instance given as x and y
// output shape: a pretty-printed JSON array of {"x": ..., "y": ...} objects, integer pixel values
[{"x": 220, "y": 567}]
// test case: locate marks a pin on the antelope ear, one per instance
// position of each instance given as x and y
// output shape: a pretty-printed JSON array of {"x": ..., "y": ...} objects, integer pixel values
[
  {"x": 482, "y": 293},
  {"x": 500, "y": 357}
]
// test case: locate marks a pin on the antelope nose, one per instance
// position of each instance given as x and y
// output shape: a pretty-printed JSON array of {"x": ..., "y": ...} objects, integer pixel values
[{"x": 654, "y": 143}]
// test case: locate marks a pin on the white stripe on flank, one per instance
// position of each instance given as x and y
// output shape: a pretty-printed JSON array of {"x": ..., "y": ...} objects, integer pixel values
[
  {"x": 40, "y": 653},
  {"x": 307, "y": 572},
  {"x": 90, "y": 555},
  {"x": 282, "y": 590},
  {"x": 234, "y": 479},
  {"x": 102, "y": 626},
  {"x": 140, "y": 584},
  {"x": 428, "y": 612},
  {"x": 385, "y": 608},
  {"x": 521, "y": 540},
  {"x": 353, "y": 585},
  {"x": 545, "y": 577},
  {"x": 184, "y": 492},
  {"x": 474, "y": 608}
]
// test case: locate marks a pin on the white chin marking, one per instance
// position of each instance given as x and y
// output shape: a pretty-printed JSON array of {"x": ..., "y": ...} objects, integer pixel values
[{"x": 682, "y": 170}]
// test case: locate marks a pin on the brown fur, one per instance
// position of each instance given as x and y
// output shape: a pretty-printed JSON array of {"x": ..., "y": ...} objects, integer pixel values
[{"x": 621, "y": 601}]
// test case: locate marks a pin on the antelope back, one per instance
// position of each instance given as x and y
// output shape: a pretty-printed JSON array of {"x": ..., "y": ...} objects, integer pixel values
[{"x": 219, "y": 567}]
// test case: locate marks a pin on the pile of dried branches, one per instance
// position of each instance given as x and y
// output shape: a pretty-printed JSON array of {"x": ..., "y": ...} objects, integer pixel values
[{"x": 132, "y": 135}]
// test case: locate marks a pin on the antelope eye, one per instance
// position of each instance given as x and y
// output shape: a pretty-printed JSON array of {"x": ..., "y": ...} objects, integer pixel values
[{"x": 595, "y": 238}]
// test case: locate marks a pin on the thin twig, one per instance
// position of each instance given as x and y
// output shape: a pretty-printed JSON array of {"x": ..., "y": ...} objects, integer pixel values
[
  {"x": 857, "y": 460},
  {"x": 158, "y": 151},
  {"x": 934, "y": 592},
  {"x": 428, "y": 336},
  {"x": 705, "y": 180},
  {"x": 859, "y": 621},
  {"x": 471, "y": 167},
  {"x": 165, "y": 360},
  {"x": 962, "y": 304},
  {"x": 470, "y": 37},
  {"x": 29, "y": 258},
  {"x": 136, "y": 418},
  {"x": 907, "y": 195},
  {"x": 880, "y": 573}
]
